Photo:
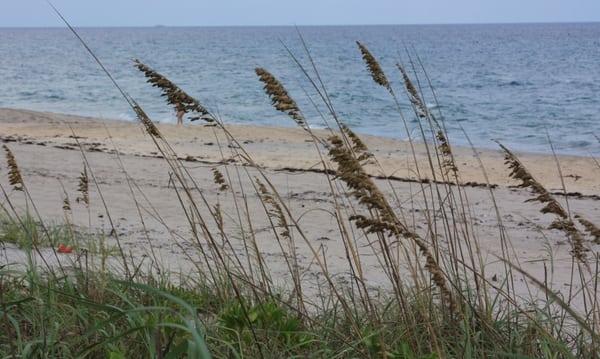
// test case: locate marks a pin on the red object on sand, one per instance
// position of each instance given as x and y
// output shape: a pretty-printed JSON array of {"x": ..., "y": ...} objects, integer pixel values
[{"x": 64, "y": 249}]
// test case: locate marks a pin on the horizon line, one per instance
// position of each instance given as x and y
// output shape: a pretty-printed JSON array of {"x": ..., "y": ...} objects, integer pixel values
[{"x": 304, "y": 25}]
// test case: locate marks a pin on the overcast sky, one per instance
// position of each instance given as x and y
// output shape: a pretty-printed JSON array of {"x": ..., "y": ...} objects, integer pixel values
[{"x": 289, "y": 12}]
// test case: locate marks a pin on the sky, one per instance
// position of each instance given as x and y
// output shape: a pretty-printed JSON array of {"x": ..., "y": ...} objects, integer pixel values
[{"x": 26, "y": 13}]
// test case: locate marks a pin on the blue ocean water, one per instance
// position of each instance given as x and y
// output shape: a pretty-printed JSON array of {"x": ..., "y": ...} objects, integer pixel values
[{"x": 513, "y": 83}]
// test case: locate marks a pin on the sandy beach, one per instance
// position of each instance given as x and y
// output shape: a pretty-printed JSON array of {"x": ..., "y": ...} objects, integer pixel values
[{"x": 46, "y": 148}]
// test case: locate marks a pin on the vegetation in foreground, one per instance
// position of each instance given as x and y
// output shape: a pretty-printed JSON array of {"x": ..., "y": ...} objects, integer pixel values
[
  {"x": 444, "y": 308},
  {"x": 95, "y": 314}
]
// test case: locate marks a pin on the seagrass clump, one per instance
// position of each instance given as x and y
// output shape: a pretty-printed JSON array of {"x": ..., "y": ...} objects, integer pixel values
[
  {"x": 219, "y": 179},
  {"x": 14, "y": 174},
  {"x": 176, "y": 97},
  {"x": 373, "y": 66},
  {"x": 83, "y": 187},
  {"x": 280, "y": 98},
  {"x": 351, "y": 171},
  {"x": 551, "y": 205}
]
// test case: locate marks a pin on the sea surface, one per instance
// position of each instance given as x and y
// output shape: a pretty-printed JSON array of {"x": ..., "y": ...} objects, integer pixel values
[{"x": 517, "y": 83}]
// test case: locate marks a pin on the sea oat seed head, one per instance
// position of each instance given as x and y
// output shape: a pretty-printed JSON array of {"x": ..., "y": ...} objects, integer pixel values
[
  {"x": 551, "y": 205},
  {"x": 84, "y": 187},
  {"x": 176, "y": 97},
  {"x": 590, "y": 227},
  {"x": 14, "y": 174},
  {"x": 275, "y": 212},
  {"x": 413, "y": 93},
  {"x": 219, "y": 179},
  {"x": 280, "y": 99},
  {"x": 373, "y": 66}
]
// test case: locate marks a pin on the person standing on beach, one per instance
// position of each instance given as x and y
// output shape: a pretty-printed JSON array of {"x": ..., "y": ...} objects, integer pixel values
[{"x": 179, "y": 113}]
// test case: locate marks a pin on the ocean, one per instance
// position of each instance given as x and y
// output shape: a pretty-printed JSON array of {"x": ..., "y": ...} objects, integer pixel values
[{"x": 515, "y": 83}]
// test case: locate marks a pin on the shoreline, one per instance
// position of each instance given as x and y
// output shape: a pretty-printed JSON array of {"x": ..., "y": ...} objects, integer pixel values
[{"x": 491, "y": 146}]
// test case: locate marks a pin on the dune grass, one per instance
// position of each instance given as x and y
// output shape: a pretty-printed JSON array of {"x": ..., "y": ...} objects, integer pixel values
[
  {"x": 101, "y": 315},
  {"x": 437, "y": 301}
]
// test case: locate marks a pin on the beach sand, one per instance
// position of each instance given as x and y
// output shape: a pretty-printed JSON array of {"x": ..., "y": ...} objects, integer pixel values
[{"x": 45, "y": 146}]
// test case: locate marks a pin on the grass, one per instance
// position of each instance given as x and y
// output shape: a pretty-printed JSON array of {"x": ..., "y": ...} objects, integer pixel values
[
  {"x": 99, "y": 315},
  {"x": 106, "y": 317},
  {"x": 86, "y": 315},
  {"x": 442, "y": 307},
  {"x": 27, "y": 233}
]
